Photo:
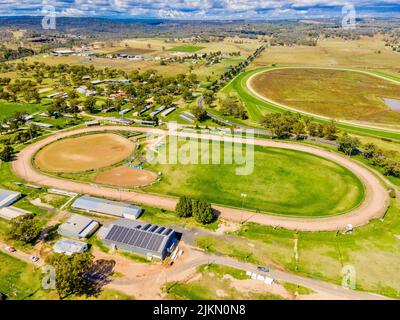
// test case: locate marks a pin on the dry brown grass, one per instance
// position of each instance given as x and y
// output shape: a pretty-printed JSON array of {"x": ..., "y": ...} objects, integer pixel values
[{"x": 333, "y": 93}]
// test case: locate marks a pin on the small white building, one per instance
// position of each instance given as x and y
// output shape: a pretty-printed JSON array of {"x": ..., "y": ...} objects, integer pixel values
[{"x": 69, "y": 247}]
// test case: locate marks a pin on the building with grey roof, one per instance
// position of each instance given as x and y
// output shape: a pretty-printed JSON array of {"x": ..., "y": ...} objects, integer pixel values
[
  {"x": 108, "y": 207},
  {"x": 11, "y": 212},
  {"x": 142, "y": 238},
  {"x": 8, "y": 197},
  {"x": 78, "y": 227},
  {"x": 69, "y": 247}
]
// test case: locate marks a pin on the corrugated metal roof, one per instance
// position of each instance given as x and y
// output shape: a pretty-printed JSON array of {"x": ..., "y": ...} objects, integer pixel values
[
  {"x": 7, "y": 196},
  {"x": 79, "y": 225},
  {"x": 141, "y": 235},
  {"x": 69, "y": 246},
  {"x": 104, "y": 206}
]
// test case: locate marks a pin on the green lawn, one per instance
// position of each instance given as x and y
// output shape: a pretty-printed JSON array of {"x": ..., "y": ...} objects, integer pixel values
[
  {"x": 19, "y": 280},
  {"x": 283, "y": 182},
  {"x": 186, "y": 48},
  {"x": 8, "y": 109}
]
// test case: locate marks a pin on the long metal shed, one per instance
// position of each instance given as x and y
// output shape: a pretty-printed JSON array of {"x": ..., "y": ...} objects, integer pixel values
[
  {"x": 142, "y": 238},
  {"x": 108, "y": 207}
]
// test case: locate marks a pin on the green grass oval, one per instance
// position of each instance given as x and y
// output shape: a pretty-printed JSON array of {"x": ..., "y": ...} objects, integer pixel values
[{"x": 283, "y": 182}]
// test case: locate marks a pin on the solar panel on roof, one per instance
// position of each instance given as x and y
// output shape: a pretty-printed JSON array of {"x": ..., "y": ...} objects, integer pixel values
[
  {"x": 146, "y": 227},
  {"x": 149, "y": 239},
  {"x": 161, "y": 230},
  {"x": 168, "y": 232},
  {"x": 153, "y": 228},
  {"x": 133, "y": 240}
]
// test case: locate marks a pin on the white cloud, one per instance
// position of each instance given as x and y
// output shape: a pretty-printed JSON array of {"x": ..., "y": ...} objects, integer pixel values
[{"x": 189, "y": 9}]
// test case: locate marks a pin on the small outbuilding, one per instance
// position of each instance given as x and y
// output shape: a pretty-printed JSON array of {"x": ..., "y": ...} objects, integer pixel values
[
  {"x": 78, "y": 227},
  {"x": 69, "y": 246},
  {"x": 11, "y": 212},
  {"x": 8, "y": 197}
]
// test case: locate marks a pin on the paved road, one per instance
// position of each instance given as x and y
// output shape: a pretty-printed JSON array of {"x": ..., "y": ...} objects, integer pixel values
[{"x": 374, "y": 206}]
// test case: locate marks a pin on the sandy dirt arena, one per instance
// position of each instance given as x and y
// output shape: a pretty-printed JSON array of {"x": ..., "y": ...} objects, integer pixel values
[
  {"x": 125, "y": 176},
  {"x": 84, "y": 153}
]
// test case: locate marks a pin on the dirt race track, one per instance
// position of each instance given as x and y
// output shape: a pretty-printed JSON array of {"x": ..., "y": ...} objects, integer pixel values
[
  {"x": 374, "y": 206},
  {"x": 84, "y": 153},
  {"x": 126, "y": 177}
]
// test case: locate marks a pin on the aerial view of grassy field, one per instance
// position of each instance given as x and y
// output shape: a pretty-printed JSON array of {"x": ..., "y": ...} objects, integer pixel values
[
  {"x": 8, "y": 109},
  {"x": 333, "y": 93},
  {"x": 186, "y": 48},
  {"x": 200, "y": 151},
  {"x": 274, "y": 185}
]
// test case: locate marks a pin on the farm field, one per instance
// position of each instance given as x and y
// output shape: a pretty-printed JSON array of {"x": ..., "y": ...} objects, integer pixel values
[
  {"x": 283, "y": 182},
  {"x": 257, "y": 106},
  {"x": 8, "y": 109},
  {"x": 84, "y": 153},
  {"x": 186, "y": 48},
  {"x": 365, "y": 52},
  {"x": 336, "y": 94}
]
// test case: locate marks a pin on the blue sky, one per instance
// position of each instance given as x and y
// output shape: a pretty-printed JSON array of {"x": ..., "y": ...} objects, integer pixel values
[{"x": 203, "y": 9}]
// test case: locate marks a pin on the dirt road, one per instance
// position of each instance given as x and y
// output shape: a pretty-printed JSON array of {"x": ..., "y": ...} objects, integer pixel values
[
  {"x": 374, "y": 206},
  {"x": 145, "y": 281}
]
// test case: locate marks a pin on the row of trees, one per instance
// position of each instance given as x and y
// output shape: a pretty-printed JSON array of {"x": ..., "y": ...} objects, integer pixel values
[
  {"x": 286, "y": 124},
  {"x": 234, "y": 71},
  {"x": 387, "y": 160},
  {"x": 200, "y": 210},
  {"x": 384, "y": 159}
]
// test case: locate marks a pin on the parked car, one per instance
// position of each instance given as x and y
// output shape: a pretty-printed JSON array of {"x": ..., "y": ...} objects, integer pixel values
[
  {"x": 263, "y": 269},
  {"x": 34, "y": 259},
  {"x": 11, "y": 249}
]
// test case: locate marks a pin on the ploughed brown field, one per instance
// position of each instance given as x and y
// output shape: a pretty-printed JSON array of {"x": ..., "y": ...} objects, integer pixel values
[
  {"x": 125, "y": 176},
  {"x": 336, "y": 94},
  {"x": 84, "y": 153}
]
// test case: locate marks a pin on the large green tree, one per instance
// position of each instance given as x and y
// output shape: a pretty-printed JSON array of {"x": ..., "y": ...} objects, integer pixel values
[
  {"x": 202, "y": 211},
  {"x": 184, "y": 207},
  {"x": 6, "y": 153},
  {"x": 25, "y": 228},
  {"x": 71, "y": 273}
]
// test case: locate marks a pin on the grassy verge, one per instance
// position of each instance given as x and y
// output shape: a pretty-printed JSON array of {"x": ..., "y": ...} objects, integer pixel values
[
  {"x": 373, "y": 250},
  {"x": 213, "y": 283}
]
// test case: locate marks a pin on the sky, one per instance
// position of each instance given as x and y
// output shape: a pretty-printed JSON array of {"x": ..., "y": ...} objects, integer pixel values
[{"x": 203, "y": 9}]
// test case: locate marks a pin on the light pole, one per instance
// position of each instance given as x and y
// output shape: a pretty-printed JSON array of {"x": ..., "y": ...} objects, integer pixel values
[{"x": 244, "y": 196}]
